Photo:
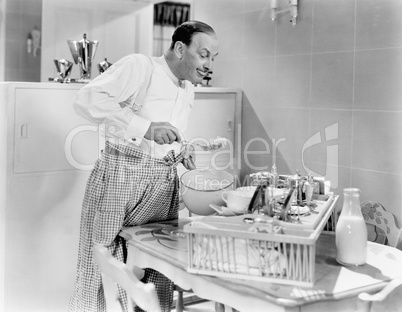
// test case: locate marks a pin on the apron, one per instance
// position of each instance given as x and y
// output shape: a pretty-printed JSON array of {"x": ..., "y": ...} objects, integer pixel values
[{"x": 126, "y": 188}]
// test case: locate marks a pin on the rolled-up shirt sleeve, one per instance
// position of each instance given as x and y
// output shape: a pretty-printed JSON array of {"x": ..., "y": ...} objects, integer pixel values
[{"x": 109, "y": 98}]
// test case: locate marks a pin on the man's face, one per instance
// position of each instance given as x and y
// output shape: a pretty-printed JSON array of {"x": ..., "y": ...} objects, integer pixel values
[{"x": 198, "y": 57}]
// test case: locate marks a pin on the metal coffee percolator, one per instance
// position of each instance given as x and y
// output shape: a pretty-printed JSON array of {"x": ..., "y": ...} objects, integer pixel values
[{"x": 83, "y": 51}]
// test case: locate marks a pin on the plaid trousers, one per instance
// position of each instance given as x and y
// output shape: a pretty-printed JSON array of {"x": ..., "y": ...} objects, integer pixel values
[{"x": 126, "y": 188}]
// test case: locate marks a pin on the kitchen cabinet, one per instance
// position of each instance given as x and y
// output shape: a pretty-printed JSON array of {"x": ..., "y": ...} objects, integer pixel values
[
  {"x": 41, "y": 195},
  {"x": 43, "y": 137},
  {"x": 46, "y": 155},
  {"x": 216, "y": 114}
]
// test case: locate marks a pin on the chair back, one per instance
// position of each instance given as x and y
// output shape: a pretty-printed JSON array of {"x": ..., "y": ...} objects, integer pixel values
[
  {"x": 389, "y": 299},
  {"x": 116, "y": 272},
  {"x": 375, "y": 215}
]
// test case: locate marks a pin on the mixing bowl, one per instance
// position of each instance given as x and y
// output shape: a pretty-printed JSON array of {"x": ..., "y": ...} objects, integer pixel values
[{"x": 202, "y": 187}]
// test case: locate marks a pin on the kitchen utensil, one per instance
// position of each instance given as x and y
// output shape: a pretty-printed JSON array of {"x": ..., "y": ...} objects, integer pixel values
[
  {"x": 217, "y": 143},
  {"x": 63, "y": 67},
  {"x": 102, "y": 66},
  {"x": 83, "y": 51}
]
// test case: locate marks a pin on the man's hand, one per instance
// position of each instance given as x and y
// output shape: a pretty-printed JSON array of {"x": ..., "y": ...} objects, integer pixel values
[
  {"x": 189, "y": 157},
  {"x": 162, "y": 133}
]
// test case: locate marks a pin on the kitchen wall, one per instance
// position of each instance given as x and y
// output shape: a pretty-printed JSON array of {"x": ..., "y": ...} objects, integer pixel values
[
  {"x": 121, "y": 27},
  {"x": 324, "y": 96},
  {"x": 20, "y": 18}
]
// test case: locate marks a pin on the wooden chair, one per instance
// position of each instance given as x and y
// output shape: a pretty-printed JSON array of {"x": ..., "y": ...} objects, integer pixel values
[
  {"x": 381, "y": 227},
  {"x": 377, "y": 218},
  {"x": 386, "y": 300},
  {"x": 116, "y": 272}
]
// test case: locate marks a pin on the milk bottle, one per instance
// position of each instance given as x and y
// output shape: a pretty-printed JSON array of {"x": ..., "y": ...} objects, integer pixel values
[{"x": 351, "y": 231}]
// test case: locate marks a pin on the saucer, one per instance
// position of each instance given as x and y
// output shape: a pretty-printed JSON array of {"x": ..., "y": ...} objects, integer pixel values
[{"x": 225, "y": 211}]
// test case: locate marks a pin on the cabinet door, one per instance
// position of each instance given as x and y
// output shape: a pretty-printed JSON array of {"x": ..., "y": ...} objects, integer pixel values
[
  {"x": 49, "y": 135},
  {"x": 42, "y": 235},
  {"x": 214, "y": 115}
]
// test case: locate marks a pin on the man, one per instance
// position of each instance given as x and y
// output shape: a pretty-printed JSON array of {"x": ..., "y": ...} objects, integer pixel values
[{"x": 144, "y": 103}]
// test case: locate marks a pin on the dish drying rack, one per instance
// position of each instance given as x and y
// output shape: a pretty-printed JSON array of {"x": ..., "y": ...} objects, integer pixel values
[{"x": 258, "y": 247}]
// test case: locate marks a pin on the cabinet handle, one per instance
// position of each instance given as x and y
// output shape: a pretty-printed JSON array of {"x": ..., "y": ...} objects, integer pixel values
[
  {"x": 230, "y": 126},
  {"x": 23, "y": 131}
]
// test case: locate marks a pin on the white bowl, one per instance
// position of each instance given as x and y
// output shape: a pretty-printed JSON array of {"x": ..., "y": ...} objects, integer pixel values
[{"x": 202, "y": 187}]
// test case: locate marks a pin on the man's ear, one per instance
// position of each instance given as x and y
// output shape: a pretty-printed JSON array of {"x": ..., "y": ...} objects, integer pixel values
[{"x": 179, "y": 49}]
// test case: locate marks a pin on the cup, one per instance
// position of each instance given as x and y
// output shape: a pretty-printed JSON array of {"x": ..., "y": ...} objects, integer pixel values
[{"x": 238, "y": 200}]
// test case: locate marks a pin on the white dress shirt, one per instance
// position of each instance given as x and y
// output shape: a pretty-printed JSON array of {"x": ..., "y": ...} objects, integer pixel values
[{"x": 115, "y": 100}]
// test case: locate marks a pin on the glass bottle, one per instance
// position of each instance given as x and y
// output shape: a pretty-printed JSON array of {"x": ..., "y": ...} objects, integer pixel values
[{"x": 351, "y": 231}]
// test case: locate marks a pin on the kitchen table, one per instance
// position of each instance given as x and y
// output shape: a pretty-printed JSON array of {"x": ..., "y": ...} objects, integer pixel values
[{"x": 161, "y": 247}]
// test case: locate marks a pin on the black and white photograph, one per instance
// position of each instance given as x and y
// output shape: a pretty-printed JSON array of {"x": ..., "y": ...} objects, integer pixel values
[{"x": 200, "y": 155}]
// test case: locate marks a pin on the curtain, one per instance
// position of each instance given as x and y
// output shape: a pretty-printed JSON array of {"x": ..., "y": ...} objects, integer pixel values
[{"x": 167, "y": 16}]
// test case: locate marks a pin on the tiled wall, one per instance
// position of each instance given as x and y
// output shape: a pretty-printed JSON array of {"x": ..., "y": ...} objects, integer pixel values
[
  {"x": 325, "y": 96},
  {"x": 22, "y": 16}
]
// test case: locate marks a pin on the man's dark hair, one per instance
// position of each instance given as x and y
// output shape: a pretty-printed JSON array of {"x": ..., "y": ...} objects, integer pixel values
[{"x": 186, "y": 31}]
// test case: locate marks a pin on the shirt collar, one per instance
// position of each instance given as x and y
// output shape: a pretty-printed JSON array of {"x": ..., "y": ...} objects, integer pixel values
[{"x": 165, "y": 66}]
